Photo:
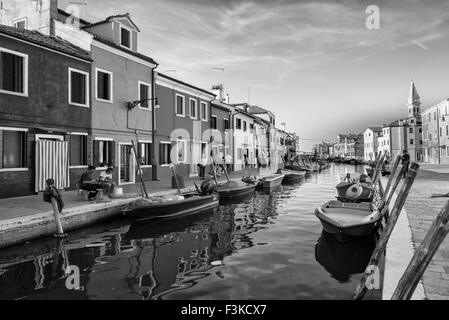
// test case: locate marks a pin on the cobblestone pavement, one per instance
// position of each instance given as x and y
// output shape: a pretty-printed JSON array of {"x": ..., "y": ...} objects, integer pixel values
[{"x": 422, "y": 211}]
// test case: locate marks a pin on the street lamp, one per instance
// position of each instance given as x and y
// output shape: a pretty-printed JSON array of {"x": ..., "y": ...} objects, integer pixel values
[{"x": 133, "y": 104}]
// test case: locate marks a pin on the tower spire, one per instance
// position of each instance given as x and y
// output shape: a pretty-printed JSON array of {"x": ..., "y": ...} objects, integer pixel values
[{"x": 414, "y": 101}]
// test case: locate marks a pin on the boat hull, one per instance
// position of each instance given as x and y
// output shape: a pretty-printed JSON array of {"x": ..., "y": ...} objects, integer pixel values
[
  {"x": 173, "y": 209},
  {"x": 347, "y": 220},
  {"x": 232, "y": 192},
  {"x": 271, "y": 181}
]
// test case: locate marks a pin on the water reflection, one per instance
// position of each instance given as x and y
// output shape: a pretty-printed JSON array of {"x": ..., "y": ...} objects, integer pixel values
[
  {"x": 261, "y": 246},
  {"x": 342, "y": 260}
]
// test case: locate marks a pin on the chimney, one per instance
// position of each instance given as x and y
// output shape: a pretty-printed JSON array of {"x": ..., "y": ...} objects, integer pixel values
[
  {"x": 219, "y": 92},
  {"x": 283, "y": 126},
  {"x": 227, "y": 99}
]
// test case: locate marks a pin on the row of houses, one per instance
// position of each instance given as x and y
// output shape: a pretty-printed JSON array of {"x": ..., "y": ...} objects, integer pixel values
[
  {"x": 423, "y": 133},
  {"x": 75, "y": 93}
]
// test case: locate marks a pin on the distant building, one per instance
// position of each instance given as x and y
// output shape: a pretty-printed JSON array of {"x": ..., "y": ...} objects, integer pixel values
[
  {"x": 349, "y": 145},
  {"x": 435, "y": 133},
  {"x": 404, "y": 134},
  {"x": 371, "y": 135}
]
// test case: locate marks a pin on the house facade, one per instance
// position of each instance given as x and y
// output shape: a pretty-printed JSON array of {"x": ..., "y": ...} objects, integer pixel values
[
  {"x": 121, "y": 75},
  {"x": 183, "y": 133},
  {"x": 43, "y": 134},
  {"x": 435, "y": 133},
  {"x": 220, "y": 121},
  {"x": 243, "y": 138},
  {"x": 370, "y": 137}
]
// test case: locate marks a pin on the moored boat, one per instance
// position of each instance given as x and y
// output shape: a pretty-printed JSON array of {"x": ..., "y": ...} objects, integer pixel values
[
  {"x": 271, "y": 181},
  {"x": 345, "y": 220},
  {"x": 170, "y": 206},
  {"x": 233, "y": 189}
]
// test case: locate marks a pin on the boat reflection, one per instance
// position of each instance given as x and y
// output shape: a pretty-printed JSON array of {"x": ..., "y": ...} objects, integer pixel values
[
  {"x": 135, "y": 261},
  {"x": 342, "y": 260}
]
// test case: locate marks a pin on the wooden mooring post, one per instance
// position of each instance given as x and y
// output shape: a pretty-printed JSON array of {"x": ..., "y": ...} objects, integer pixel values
[
  {"x": 392, "y": 174},
  {"x": 423, "y": 255},
  {"x": 385, "y": 235},
  {"x": 378, "y": 168}
]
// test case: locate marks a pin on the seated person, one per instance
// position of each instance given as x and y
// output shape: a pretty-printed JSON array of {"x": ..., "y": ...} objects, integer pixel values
[
  {"x": 87, "y": 183},
  {"x": 106, "y": 181}
]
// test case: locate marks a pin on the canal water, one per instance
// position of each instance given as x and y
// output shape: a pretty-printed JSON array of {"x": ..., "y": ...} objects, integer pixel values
[{"x": 265, "y": 246}]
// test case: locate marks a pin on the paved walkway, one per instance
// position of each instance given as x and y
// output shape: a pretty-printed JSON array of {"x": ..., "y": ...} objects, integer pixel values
[
  {"x": 13, "y": 208},
  {"x": 422, "y": 211}
]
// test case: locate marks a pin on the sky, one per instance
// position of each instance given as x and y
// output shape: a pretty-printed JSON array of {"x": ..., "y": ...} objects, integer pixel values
[{"x": 314, "y": 64}]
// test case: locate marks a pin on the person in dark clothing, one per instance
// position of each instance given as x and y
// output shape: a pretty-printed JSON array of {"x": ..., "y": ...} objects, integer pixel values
[
  {"x": 87, "y": 183},
  {"x": 405, "y": 162},
  {"x": 51, "y": 192},
  {"x": 246, "y": 161}
]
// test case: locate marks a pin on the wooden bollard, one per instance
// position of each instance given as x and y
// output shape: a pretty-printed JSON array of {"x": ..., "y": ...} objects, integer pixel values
[
  {"x": 398, "y": 179},
  {"x": 378, "y": 168},
  {"x": 385, "y": 235},
  {"x": 392, "y": 174},
  {"x": 422, "y": 257},
  {"x": 60, "y": 231}
]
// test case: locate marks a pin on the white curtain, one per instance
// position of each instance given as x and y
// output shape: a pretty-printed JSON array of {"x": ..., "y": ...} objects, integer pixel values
[{"x": 52, "y": 161}]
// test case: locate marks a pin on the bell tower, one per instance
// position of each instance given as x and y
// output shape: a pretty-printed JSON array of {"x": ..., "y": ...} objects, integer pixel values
[{"x": 413, "y": 102}]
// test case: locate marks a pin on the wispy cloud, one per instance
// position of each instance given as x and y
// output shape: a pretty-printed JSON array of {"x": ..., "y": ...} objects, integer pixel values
[{"x": 284, "y": 45}]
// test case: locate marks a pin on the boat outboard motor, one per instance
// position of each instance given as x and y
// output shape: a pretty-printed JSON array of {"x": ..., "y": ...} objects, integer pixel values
[
  {"x": 207, "y": 187},
  {"x": 354, "y": 192}
]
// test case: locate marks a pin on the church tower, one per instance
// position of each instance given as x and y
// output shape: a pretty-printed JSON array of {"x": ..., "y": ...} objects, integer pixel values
[{"x": 414, "y": 102}]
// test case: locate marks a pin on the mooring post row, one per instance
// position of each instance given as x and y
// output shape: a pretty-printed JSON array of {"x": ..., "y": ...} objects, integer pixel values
[{"x": 384, "y": 237}]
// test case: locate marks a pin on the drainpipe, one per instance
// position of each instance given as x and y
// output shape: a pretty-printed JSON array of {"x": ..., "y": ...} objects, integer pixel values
[
  {"x": 153, "y": 127},
  {"x": 438, "y": 135}
]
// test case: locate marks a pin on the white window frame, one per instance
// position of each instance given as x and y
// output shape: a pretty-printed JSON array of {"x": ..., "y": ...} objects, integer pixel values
[
  {"x": 203, "y": 117},
  {"x": 17, "y": 130},
  {"x": 111, "y": 85},
  {"x": 212, "y": 116},
  {"x": 196, "y": 108},
  {"x": 130, "y": 37},
  {"x": 132, "y": 174},
  {"x": 149, "y": 95},
  {"x": 184, "y": 142},
  {"x": 104, "y": 140},
  {"x": 145, "y": 141},
  {"x": 70, "y": 70},
  {"x": 168, "y": 143},
  {"x": 14, "y": 22},
  {"x": 183, "y": 105},
  {"x": 78, "y": 134},
  {"x": 25, "y": 73}
]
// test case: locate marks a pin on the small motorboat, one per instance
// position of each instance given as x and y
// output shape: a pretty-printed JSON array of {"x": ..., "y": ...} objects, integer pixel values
[
  {"x": 233, "y": 189},
  {"x": 346, "y": 219},
  {"x": 170, "y": 206},
  {"x": 271, "y": 181},
  {"x": 292, "y": 175}
]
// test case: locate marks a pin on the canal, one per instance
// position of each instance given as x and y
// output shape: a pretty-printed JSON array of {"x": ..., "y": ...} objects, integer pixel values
[{"x": 265, "y": 246}]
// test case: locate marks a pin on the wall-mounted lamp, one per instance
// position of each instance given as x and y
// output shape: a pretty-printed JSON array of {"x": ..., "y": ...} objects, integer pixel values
[{"x": 133, "y": 104}]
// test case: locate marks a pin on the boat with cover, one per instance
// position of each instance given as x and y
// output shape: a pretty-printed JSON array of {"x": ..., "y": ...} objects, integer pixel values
[
  {"x": 346, "y": 219},
  {"x": 160, "y": 207},
  {"x": 355, "y": 192}
]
